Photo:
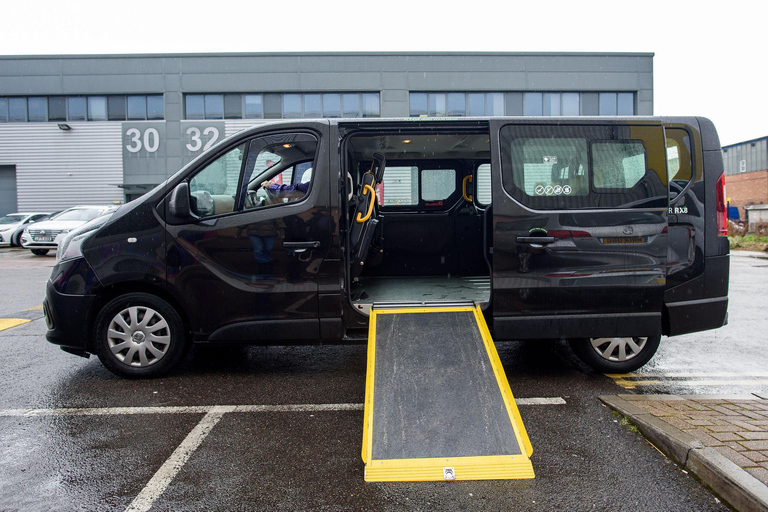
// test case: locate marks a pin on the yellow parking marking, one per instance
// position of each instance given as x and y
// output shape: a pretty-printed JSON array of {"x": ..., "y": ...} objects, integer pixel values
[
  {"x": 36, "y": 308},
  {"x": 7, "y": 323},
  {"x": 633, "y": 380}
]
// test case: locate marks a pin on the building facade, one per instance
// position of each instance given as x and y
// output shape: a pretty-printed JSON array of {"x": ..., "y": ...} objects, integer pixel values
[
  {"x": 746, "y": 174},
  {"x": 105, "y": 129}
]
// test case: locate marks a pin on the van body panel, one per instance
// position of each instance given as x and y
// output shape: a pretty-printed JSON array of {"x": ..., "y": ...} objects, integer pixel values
[
  {"x": 591, "y": 262},
  {"x": 234, "y": 271}
]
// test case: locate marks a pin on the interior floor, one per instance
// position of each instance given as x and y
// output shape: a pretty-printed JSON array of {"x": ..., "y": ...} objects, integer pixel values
[{"x": 422, "y": 289}]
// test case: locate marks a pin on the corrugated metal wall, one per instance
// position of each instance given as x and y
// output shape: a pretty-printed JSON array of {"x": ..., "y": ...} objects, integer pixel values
[
  {"x": 56, "y": 169},
  {"x": 753, "y": 154}
]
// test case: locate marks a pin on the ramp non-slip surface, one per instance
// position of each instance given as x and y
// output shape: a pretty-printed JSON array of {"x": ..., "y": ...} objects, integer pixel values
[{"x": 438, "y": 405}]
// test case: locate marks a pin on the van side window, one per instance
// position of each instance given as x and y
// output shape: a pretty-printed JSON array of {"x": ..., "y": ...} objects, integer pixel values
[
  {"x": 213, "y": 190},
  {"x": 679, "y": 162},
  {"x": 278, "y": 169},
  {"x": 400, "y": 186},
  {"x": 411, "y": 185},
  {"x": 483, "y": 185},
  {"x": 618, "y": 164},
  {"x": 437, "y": 184},
  {"x": 579, "y": 167},
  {"x": 550, "y": 167}
]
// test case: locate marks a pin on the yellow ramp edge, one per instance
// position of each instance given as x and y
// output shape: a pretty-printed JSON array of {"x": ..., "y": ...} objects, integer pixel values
[
  {"x": 496, "y": 467},
  {"x": 7, "y": 323}
]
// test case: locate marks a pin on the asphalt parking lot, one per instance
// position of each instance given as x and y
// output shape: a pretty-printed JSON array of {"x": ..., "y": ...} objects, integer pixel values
[{"x": 252, "y": 428}]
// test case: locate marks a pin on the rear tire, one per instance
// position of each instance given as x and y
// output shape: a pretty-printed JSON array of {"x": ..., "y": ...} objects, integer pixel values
[
  {"x": 139, "y": 335},
  {"x": 39, "y": 252},
  {"x": 615, "y": 355}
]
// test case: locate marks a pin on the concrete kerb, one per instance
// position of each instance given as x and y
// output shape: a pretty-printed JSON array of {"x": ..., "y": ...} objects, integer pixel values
[{"x": 737, "y": 487}]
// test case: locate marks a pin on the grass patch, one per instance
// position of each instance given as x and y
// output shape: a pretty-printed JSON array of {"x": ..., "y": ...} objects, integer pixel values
[{"x": 624, "y": 421}]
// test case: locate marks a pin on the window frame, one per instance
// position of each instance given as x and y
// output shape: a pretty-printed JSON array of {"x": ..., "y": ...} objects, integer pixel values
[{"x": 428, "y": 165}]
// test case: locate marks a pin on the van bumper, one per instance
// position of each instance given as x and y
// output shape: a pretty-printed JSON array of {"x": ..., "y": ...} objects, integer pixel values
[
  {"x": 695, "y": 315},
  {"x": 66, "y": 316}
]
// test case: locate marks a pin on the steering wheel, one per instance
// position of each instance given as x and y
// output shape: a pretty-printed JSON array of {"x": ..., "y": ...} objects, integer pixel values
[{"x": 253, "y": 199}]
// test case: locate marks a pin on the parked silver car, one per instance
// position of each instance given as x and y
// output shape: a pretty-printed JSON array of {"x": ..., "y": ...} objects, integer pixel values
[
  {"x": 10, "y": 224},
  {"x": 42, "y": 237}
]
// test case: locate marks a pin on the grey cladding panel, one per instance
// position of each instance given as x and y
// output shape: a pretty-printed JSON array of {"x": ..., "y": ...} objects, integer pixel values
[
  {"x": 236, "y": 64},
  {"x": 113, "y": 66},
  {"x": 435, "y": 392}
]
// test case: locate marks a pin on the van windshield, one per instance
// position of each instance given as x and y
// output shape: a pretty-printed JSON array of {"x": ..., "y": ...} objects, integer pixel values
[{"x": 84, "y": 214}]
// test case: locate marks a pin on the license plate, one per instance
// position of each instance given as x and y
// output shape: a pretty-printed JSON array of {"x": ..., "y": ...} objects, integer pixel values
[
  {"x": 625, "y": 240},
  {"x": 43, "y": 239}
]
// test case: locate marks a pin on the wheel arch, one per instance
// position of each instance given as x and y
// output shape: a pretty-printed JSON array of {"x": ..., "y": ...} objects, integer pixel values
[{"x": 111, "y": 292}]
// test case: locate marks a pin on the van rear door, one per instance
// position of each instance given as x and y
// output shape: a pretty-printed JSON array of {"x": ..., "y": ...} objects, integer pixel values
[{"x": 579, "y": 229}]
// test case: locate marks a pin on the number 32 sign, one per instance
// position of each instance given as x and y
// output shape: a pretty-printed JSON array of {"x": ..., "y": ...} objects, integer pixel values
[{"x": 199, "y": 136}]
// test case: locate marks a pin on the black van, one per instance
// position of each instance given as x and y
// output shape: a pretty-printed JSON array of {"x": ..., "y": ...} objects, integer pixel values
[{"x": 607, "y": 232}]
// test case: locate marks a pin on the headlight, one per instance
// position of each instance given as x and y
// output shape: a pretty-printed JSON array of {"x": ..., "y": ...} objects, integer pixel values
[{"x": 69, "y": 248}]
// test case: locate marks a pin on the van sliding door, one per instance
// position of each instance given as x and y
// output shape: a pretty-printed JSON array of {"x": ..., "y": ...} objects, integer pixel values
[{"x": 579, "y": 229}]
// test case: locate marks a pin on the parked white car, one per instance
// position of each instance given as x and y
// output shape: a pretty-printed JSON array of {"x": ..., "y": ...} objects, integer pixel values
[
  {"x": 44, "y": 236},
  {"x": 11, "y": 223}
]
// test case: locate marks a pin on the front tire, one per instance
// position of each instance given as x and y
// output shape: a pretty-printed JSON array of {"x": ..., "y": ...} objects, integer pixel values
[
  {"x": 616, "y": 355},
  {"x": 39, "y": 252},
  {"x": 139, "y": 335}
]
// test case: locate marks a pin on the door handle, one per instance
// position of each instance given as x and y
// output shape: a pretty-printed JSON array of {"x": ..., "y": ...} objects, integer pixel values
[
  {"x": 301, "y": 246},
  {"x": 536, "y": 239}
]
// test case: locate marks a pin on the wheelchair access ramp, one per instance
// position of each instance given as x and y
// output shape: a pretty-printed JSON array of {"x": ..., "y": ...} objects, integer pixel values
[{"x": 437, "y": 401}]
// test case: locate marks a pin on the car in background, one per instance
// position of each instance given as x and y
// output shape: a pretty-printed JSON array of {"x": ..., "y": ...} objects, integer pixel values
[
  {"x": 13, "y": 224},
  {"x": 45, "y": 236},
  {"x": 16, "y": 236}
]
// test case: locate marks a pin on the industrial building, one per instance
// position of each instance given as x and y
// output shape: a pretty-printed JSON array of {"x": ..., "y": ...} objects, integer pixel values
[
  {"x": 746, "y": 176},
  {"x": 94, "y": 129}
]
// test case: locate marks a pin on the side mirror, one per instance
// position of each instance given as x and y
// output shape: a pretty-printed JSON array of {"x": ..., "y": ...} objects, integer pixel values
[{"x": 179, "y": 207}]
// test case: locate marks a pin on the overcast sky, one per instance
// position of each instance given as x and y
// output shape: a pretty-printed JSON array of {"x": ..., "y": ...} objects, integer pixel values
[{"x": 709, "y": 56}]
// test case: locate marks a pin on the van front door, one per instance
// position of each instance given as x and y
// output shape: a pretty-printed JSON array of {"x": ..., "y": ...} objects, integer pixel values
[
  {"x": 579, "y": 229},
  {"x": 248, "y": 268}
]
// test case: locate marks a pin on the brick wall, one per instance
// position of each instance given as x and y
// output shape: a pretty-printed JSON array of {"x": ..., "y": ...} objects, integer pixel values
[{"x": 747, "y": 188}]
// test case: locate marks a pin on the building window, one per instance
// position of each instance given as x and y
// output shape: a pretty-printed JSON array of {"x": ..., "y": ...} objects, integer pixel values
[
  {"x": 371, "y": 107},
  {"x": 331, "y": 105},
  {"x": 617, "y": 104},
  {"x": 97, "y": 108},
  {"x": 350, "y": 105},
  {"x": 116, "y": 108},
  {"x": 81, "y": 108},
  {"x": 233, "y": 106},
  {"x": 254, "y": 106},
  {"x": 283, "y": 106},
  {"x": 38, "y": 109},
  {"x": 137, "y": 108},
  {"x": 155, "y": 107},
  {"x": 76, "y": 109},
  {"x": 313, "y": 105},
  {"x": 57, "y": 108},
  {"x": 214, "y": 106},
  {"x": 551, "y": 104},
  {"x": 291, "y": 106},
  {"x": 456, "y": 104}
]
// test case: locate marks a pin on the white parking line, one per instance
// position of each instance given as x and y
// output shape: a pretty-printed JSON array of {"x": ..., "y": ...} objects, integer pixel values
[
  {"x": 203, "y": 409},
  {"x": 213, "y": 414},
  {"x": 176, "y": 461}
]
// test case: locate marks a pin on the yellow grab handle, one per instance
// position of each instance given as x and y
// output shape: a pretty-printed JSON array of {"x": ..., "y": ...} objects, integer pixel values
[
  {"x": 467, "y": 198},
  {"x": 360, "y": 219}
]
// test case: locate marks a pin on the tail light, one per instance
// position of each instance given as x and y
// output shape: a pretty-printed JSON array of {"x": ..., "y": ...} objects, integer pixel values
[{"x": 722, "y": 211}]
